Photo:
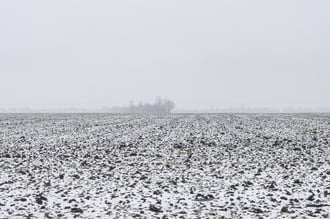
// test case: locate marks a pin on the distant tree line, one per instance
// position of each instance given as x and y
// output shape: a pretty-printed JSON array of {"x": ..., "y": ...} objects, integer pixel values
[{"x": 161, "y": 105}]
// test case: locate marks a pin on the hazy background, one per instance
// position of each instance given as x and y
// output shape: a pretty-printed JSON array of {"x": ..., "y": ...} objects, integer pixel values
[{"x": 198, "y": 54}]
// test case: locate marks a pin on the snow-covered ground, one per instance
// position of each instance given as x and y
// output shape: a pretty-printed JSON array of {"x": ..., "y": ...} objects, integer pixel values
[{"x": 166, "y": 166}]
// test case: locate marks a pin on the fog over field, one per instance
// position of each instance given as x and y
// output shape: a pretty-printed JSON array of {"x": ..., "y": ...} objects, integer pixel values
[
  {"x": 199, "y": 54},
  {"x": 165, "y": 109}
]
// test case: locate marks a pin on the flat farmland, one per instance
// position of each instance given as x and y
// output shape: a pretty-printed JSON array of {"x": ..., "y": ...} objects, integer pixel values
[{"x": 164, "y": 166}]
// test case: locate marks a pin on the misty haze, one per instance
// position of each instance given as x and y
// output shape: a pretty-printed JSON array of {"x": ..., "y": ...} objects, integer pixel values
[{"x": 164, "y": 109}]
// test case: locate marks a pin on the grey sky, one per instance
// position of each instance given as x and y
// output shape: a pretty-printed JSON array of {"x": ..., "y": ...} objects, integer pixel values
[{"x": 196, "y": 53}]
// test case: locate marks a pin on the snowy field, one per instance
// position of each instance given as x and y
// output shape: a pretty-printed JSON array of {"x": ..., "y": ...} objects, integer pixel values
[{"x": 164, "y": 166}]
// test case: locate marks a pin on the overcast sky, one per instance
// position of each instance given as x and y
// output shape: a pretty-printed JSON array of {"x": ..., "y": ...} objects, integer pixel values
[{"x": 196, "y": 53}]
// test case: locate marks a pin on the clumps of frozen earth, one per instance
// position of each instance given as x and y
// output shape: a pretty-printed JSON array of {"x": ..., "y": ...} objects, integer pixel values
[{"x": 165, "y": 166}]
